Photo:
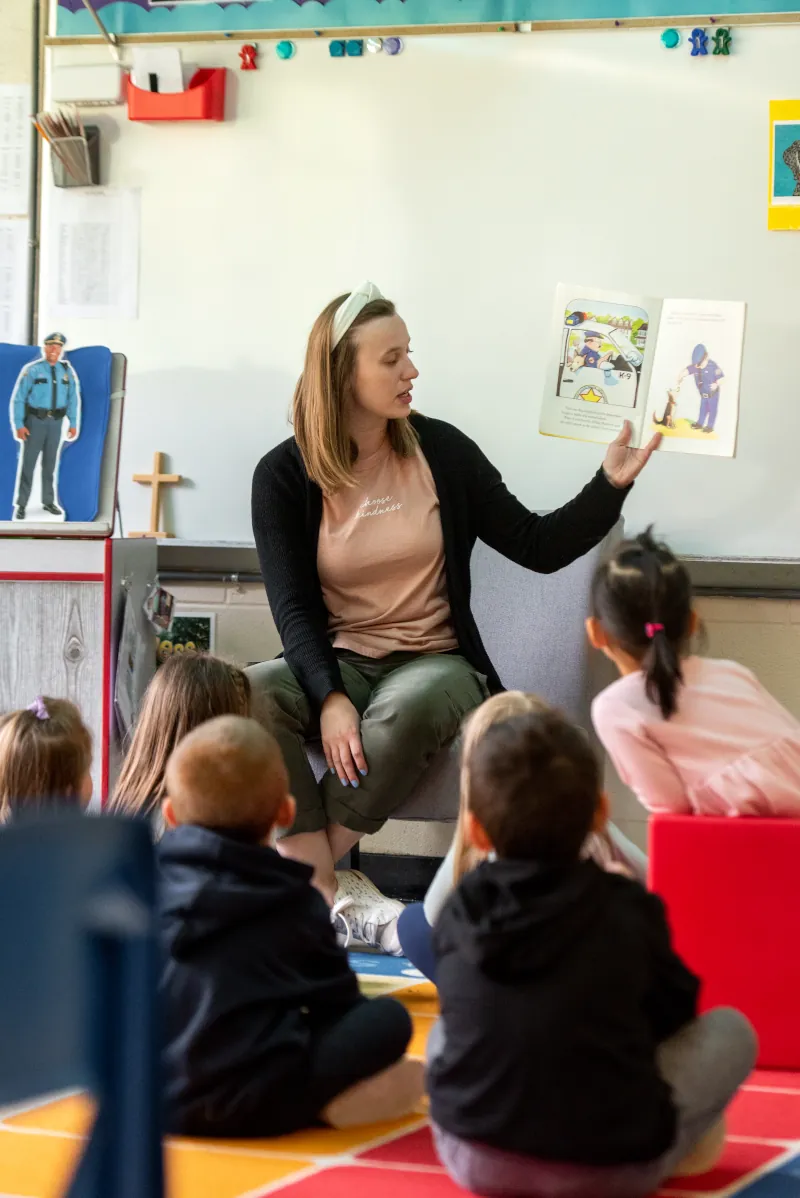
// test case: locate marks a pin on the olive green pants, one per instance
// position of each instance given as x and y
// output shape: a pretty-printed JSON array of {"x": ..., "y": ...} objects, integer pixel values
[{"x": 410, "y": 706}]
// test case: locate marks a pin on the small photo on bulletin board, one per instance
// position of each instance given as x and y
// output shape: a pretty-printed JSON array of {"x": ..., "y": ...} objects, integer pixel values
[
  {"x": 784, "y": 183},
  {"x": 188, "y": 634}
]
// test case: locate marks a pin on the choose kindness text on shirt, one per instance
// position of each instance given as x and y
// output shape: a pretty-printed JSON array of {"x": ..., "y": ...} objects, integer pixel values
[{"x": 377, "y": 507}]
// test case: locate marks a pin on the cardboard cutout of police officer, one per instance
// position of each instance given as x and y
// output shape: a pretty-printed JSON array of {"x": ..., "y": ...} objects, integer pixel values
[{"x": 46, "y": 393}]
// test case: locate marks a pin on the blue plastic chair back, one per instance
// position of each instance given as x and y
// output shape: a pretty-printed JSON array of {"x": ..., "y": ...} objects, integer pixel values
[{"x": 78, "y": 995}]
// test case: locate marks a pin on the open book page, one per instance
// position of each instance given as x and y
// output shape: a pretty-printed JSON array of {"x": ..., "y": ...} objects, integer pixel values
[
  {"x": 694, "y": 384},
  {"x": 602, "y": 350}
]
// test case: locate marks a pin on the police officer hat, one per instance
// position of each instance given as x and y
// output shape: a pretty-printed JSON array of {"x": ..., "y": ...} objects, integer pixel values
[
  {"x": 588, "y": 335},
  {"x": 55, "y": 339},
  {"x": 698, "y": 353}
]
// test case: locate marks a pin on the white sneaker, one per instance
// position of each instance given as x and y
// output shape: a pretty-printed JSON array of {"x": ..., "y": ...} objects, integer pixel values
[
  {"x": 362, "y": 915},
  {"x": 343, "y": 933}
]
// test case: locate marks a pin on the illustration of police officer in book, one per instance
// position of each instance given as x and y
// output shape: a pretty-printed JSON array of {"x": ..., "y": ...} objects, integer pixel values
[
  {"x": 47, "y": 394},
  {"x": 602, "y": 352},
  {"x": 707, "y": 376}
]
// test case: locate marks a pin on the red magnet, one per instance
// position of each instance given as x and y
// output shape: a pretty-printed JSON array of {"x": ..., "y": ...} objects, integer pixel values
[{"x": 248, "y": 57}]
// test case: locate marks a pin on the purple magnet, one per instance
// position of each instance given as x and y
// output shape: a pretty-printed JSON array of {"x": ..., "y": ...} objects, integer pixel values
[{"x": 393, "y": 45}]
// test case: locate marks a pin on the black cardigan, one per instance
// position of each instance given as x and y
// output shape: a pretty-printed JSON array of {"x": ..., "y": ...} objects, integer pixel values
[{"x": 474, "y": 503}]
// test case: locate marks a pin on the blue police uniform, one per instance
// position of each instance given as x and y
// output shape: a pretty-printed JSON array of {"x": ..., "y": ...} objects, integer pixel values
[
  {"x": 44, "y": 395},
  {"x": 704, "y": 376},
  {"x": 590, "y": 356}
]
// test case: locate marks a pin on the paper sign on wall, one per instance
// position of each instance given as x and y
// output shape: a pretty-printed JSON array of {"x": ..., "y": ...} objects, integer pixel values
[
  {"x": 94, "y": 248},
  {"x": 14, "y": 281},
  {"x": 15, "y": 148},
  {"x": 784, "y": 159}
]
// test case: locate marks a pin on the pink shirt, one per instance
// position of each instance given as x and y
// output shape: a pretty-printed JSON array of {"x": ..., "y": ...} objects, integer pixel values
[
  {"x": 380, "y": 557},
  {"x": 730, "y": 749}
]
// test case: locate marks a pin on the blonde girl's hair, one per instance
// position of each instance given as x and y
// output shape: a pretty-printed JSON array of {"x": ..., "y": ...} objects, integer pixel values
[
  {"x": 187, "y": 690},
  {"x": 45, "y": 755},
  {"x": 495, "y": 710},
  {"x": 321, "y": 396}
]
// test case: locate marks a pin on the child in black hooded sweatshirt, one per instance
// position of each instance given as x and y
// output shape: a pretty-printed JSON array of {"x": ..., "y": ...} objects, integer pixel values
[
  {"x": 266, "y": 1030},
  {"x": 569, "y": 1060}
]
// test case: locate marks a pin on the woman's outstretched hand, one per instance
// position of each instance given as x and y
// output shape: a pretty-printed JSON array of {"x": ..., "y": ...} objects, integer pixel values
[
  {"x": 622, "y": 463},
  {"x": 340, "y": 728}
]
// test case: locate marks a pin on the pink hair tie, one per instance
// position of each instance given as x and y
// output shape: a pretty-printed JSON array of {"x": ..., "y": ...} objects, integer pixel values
[
  {"x": 652, "y": 629},
  {"x": 38, "y": 708}
]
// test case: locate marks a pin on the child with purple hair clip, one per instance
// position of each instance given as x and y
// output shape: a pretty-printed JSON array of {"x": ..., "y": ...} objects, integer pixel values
[{"x": 45, "y": 759}]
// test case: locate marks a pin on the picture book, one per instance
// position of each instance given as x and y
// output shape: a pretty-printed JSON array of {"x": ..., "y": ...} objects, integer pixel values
[{"x": 668, "y": 366}]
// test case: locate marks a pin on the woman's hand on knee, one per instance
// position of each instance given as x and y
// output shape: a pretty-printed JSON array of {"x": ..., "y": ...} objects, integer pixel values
[{"x": 340, "y": 728}]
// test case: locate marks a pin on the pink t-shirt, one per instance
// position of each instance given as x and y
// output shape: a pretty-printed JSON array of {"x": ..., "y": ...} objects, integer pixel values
[
  {"x": 730, "y": 749},
  {"x": 380, "y": 557}
]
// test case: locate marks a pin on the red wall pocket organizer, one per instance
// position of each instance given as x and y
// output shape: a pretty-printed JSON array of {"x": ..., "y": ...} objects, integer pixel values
[{"x": 203, "y": 100}]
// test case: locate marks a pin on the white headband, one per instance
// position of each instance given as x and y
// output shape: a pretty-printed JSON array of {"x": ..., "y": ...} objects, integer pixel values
[{"x": 364, "y": 294}]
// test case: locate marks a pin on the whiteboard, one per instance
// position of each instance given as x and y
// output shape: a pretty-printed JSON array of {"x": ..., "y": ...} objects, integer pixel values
[{"x": 466, "y": 177}]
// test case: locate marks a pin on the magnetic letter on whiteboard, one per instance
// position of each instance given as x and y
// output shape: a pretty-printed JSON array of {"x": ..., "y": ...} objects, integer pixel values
[{"x": 94, "y": 248}]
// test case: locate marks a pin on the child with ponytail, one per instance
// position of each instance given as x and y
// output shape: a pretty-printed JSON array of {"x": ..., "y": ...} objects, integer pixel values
[{"x": 689, "y": 735}]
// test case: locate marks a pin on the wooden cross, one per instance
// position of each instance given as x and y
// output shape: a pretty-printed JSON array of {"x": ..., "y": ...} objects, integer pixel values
[{"x": 155, "y": 480}]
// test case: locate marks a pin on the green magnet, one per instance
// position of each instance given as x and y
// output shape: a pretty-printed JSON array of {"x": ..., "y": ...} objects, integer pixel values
[
  {"x": 285, "y": 49},
  {"x": 671, "y": 38}
]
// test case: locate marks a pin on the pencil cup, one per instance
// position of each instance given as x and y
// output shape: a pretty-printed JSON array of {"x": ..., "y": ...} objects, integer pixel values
[{"x": 76, "y": 160}]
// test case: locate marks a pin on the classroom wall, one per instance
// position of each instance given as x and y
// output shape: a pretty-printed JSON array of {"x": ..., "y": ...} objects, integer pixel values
[
  {"x": 763, "y": 634},
  {"x": 16, "y": 52}
]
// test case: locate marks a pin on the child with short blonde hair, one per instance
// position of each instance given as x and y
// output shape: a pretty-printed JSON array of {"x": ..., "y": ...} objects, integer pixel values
[
  {"x": 45, "y": 759},
  {"x": 266, "y": 1029}
]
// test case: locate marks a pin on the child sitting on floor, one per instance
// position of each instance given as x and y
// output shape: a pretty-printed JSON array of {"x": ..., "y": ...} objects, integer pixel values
[
  {"x": 569, "y": 1059},
  {"x": 266, "y": 1030},
  {"x": 186, "y": 690},
  {"x": 611, "y": 850},
  {"x": 45, "y": 759},
  {"x": 689, "y": 735}
]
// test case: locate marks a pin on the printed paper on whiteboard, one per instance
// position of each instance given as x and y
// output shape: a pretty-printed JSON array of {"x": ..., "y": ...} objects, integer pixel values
[
  {"x": 94, "y": 254},
  {"x": 15, "y": 148},
  {"x": 14, "y": 281}
]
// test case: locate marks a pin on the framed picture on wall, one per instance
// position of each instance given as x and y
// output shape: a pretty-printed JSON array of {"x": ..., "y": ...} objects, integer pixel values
[{"x": 188, "y": 633}]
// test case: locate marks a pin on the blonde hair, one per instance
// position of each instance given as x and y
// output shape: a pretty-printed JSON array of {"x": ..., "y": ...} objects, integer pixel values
[
  {"x": 187, "y": 690},
  {"x": 320, "y": 400},
  {"x": 45, "y": 755},
  {"x": 500, "y": 707},
  {"x": 228, "y": 773}
]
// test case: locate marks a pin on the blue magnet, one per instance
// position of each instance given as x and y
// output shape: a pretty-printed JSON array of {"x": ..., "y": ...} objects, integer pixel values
[
  {"x": 671, "y": 38},
  {"x": 285, "y": 49},
  {"x": 699, "y": 40},
  {"x": 393, "y": 45},
  {"x": 355, "y": 47},
  {"x": 336, "y": 49}
]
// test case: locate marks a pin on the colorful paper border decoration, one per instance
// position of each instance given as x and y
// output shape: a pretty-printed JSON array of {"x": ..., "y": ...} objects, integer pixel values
[{"x": 229, "y": 16}]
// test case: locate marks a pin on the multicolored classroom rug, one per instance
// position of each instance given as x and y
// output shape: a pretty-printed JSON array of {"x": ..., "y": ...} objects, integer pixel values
[{"x": 38, "y": 1144}]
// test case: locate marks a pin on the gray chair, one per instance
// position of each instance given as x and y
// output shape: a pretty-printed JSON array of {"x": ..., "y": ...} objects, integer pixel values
[{"x": 533, "y": 629}]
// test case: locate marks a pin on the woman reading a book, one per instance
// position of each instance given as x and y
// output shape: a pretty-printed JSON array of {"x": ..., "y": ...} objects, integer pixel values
[{"x": 365, "y": 521}]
